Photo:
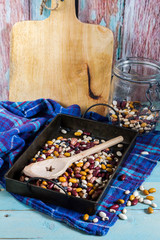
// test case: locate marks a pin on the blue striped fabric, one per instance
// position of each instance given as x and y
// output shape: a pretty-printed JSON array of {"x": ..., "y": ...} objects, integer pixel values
[{"x": 21, "y": 122}]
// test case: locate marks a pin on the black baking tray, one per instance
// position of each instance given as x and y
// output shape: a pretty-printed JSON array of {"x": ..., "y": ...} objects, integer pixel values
[{"x": 98, "y": 130}]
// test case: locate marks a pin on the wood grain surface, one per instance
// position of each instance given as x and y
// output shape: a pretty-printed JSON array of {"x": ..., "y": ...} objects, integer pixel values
[
  {"x": 141, "y": 29},
  {"x": 61, "y": 58},
  {"x": 135, "y": 25}
]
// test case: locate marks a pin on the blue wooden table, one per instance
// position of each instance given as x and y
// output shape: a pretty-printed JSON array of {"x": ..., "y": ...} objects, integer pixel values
[{"x": 18, "y": 221}]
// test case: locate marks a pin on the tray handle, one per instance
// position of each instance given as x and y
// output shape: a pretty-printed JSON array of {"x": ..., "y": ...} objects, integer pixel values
[
  {"x": 102, "y": 104},
  {"x": 45, "y": 179}
]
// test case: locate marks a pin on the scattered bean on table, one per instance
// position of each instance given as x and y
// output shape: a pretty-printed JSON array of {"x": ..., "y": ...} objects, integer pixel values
[
  {"x": 150, "y": 210},
  {"x": 152, "y": 190}
]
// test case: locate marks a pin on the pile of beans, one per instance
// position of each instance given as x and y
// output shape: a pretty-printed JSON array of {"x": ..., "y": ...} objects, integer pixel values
[
  {"x": 85, "y": 178},
  {"x": 134, "y": 115}
]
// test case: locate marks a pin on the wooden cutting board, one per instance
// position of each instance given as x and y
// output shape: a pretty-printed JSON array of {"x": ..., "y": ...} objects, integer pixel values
[{"x": 61, "y": 58}]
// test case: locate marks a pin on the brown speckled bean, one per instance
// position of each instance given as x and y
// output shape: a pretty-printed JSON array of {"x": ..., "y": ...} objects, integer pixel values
[{"x": 86, "y": 165}]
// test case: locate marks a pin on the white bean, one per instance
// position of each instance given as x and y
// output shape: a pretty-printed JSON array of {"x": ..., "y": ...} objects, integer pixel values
[
  {"x": 147, "y": 201},
  {"x": 112, "y": 210},
  {"x": 144, "y": 153},
  {"x": 124, "y": 211},
  {"x": 154, "y": 205},
  {"x": 135, "y": 193},
  {"x": 127, "y": 192},
  {"x": 140, "y": 199},
  {"x": 128, "y": 203},
  {"x": 102, "y": 214},
  {"x": 141, "y": 188},
  {"x": 63, "y": 131},
  {"x": 122, "y": 216},
  {"x": 119, "y": 154},
  {"x": 95, "y": 220}
]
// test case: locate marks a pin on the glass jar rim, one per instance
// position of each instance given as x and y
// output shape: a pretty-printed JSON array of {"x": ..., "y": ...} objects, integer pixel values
[{"x": 135, "y": 78}]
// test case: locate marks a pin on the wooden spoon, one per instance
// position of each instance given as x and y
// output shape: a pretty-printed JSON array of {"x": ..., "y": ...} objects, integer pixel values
[{"x": 53, "y": 168}]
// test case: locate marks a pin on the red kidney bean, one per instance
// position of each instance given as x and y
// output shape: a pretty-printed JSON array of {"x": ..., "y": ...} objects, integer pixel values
[
  {"x": 81, "y": 148},
  {"x": 91, "y": 166},
  {"x": 70, "y": 150},
  {"x": 74, "y": 185},
  {"x": 77, "y": 175},
  {"x": 69, "y": 170},
  {"x": 92, "y": 144},
  {"x": 88, "y": 144},
  {"x": 90, "y": 160},
  {"x": 77, "y": 144},
  {"x": 86, "y": 133},
  {"x": 102, "y": 175},
  {"x": 72, "y": 146},
  {"x": 134, "y": 202},
  {"x": 78, "y": 151},
  {"x": 74, "y": 193},
  {"x": 39, "y": 159},
  {"x": 115, "y": 206},
  {"x": 99, "y": 174},
  {"x": 97, "y": 168},
  {"x": 56, "y": 149},
  {"x": 69, "y": 189},
  {"x": 95, "y": 173},
  {"x": 50, "y": 185},
  {"x": 107, "y": 175},
  {"x": 68, "y": 177},
  {"x": 89, "y": 189},
  {"x": 122, "y": 177}
]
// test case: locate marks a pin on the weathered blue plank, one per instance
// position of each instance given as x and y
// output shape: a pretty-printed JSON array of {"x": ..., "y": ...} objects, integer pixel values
[
  {"x": 35, "y": 10},
  {"x": 34, "y": 225}
]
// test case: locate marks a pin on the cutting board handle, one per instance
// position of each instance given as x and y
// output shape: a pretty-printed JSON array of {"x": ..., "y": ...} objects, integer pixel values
[{"x": 65, "y": 8}]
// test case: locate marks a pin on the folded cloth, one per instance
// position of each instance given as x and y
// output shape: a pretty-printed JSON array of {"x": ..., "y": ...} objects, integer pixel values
[{"x": 19, "y": 125}]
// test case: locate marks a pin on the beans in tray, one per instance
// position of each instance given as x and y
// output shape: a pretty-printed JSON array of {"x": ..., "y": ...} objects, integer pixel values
[
  {"x": 134, "y": 115},
  {"x": 85, "y": 178}
]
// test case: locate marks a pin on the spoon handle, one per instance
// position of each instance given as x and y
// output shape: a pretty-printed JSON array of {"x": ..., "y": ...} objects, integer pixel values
[{"x": 95, "y": 149}]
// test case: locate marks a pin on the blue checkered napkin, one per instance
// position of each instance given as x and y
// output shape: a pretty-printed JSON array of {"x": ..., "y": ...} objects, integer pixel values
[{"x": 22, "y": 122}]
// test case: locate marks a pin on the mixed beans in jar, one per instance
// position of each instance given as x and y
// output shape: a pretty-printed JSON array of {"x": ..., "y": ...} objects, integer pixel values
[
  {"x": 85, "y": 178},
  {"x": 134, "y": 115}
]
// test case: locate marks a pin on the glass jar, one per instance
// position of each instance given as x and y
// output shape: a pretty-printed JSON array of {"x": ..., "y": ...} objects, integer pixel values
[{"x": 135, "y": 94}]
